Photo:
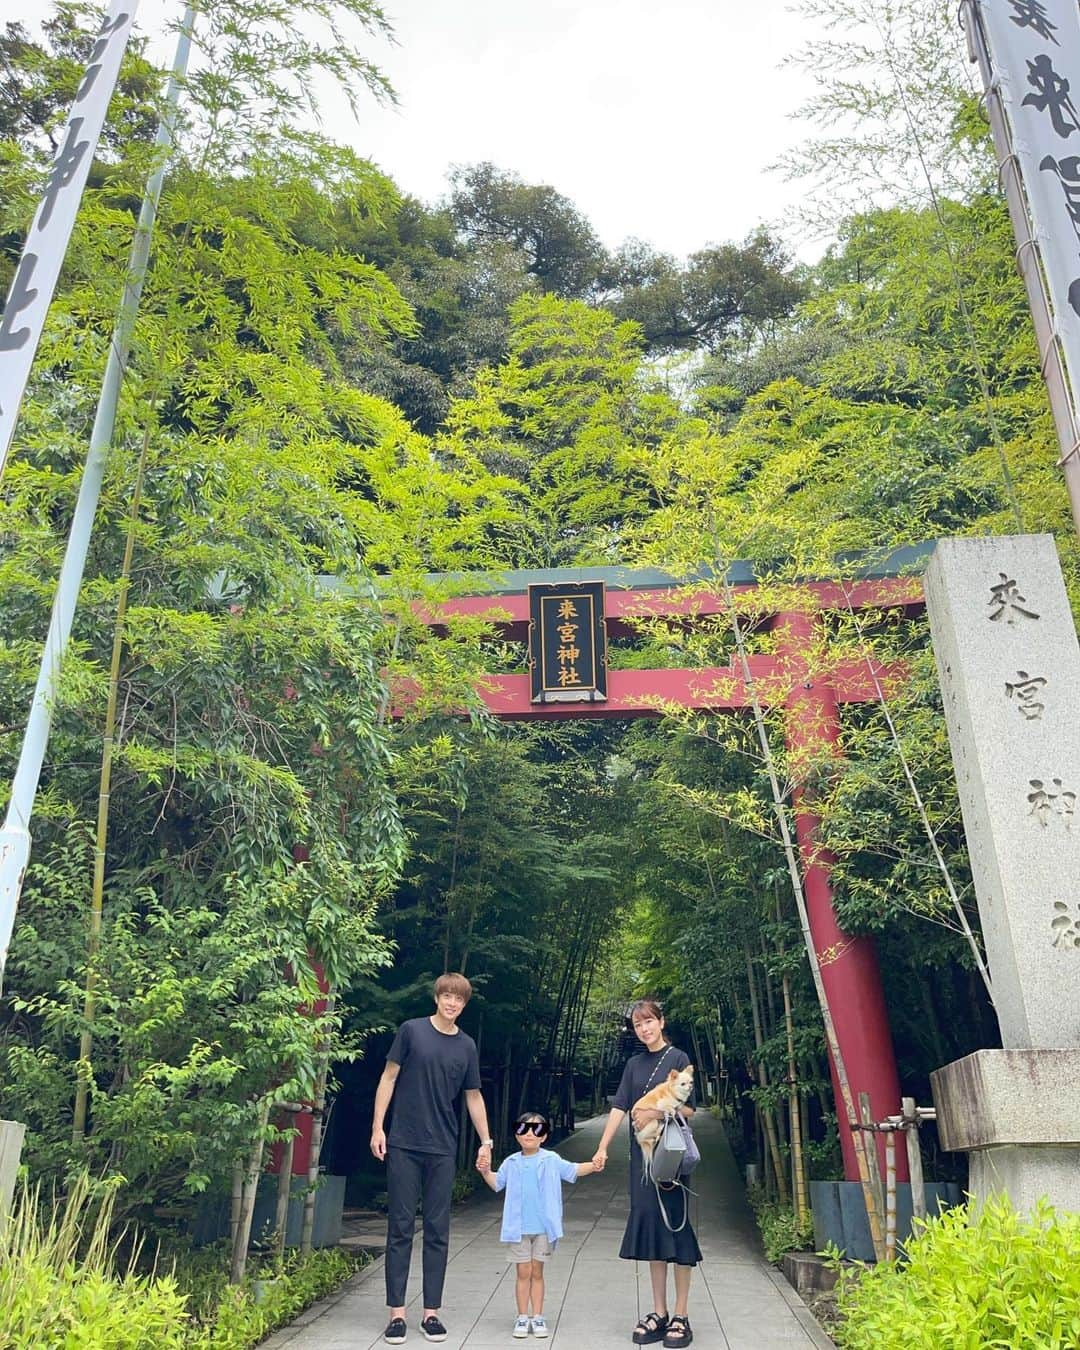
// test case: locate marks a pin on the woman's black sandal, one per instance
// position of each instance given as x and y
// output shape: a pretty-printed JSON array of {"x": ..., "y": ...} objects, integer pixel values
[
  {"x": 651, "y": 1329},
  {"x": 678, "y": 1332}
]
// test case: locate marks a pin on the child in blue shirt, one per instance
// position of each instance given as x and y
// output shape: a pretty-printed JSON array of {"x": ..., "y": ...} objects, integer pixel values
[{"x": 532, "y": 1214}]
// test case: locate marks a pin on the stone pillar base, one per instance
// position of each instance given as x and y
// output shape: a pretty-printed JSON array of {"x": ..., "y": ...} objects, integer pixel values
[
  {"x": 1017, "y": 1113},
  {"x": 11, "y": 1142},
  {"x": 1025, "y": 1174}
]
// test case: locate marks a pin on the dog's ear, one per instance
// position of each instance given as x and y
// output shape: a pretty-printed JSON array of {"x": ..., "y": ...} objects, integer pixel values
[{"x": 673, "y": 1076}]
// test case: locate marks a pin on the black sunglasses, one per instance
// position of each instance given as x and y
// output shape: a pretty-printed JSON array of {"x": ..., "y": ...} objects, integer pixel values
[{"x": 538, "y": 1127}]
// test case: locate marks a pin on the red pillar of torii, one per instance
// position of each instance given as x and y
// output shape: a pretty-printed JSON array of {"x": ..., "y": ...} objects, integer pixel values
[{"x": 812, "y": 700}]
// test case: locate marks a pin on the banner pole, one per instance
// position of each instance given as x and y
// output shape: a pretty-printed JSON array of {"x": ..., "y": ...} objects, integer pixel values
[{"x": 15, "y": 833}]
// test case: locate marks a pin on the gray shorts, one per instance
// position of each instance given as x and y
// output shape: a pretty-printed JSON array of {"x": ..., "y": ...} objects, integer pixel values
[{"x": 532, "y": 1247}]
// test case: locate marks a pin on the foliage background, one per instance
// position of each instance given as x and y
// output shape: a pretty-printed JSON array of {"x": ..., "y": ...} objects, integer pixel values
[{"x": 344, "y": 391}]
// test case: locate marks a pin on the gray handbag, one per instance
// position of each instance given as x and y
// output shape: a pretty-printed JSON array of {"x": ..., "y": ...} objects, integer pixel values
[
  {"x": 675, "y": 1155},
  {"x": 669, "y": 1151},
  {"x": 692, "y": 1156}
]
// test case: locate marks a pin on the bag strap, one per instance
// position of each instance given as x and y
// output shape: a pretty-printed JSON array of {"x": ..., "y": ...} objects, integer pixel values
[
  {"x": 656, "y": 1070},
  {"x": 648, "y": 1085},
  {"x": 685, "y": 1203}
]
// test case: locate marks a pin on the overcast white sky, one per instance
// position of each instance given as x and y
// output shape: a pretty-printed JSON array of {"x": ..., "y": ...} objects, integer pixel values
[{"x": 658, "y": 121}]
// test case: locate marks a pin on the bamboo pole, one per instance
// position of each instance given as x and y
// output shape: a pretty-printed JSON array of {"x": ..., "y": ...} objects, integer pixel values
[
  {"x": 718, "y": 1055},
  {"x": 914, "y": 1157},
  {"x": 242, "y": 1236},
  {"x": 84, "y": 1070},
  {"x": 502, "y": 1121},
  {"x": 798, "y": 1167},
  {"x": 699, "y": 1063},
  {"x": 318, "y": 1117},
  {"x": 767, "y": 1119},
  {"x": 873, "y": 1164},
  {"x": 890, "y": 1195},
  {"x": 873, "y": 1211},
  {"x": 236, "y": 1203},
  {"x": 284, "y": 1190}
]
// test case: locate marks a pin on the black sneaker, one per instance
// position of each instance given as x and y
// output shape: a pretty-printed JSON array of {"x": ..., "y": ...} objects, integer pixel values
[
  {"x": 433, "y": 1329},
  {"x": 396, "y": 1332}
]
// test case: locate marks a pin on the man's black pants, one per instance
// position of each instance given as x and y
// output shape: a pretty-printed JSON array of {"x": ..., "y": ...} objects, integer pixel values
[{"x": 410, "y": 1177}]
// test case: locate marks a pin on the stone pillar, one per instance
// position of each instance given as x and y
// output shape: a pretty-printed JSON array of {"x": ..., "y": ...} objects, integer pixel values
[
  {"x": 12, "y": 1133},
  {"x": 849, "y": 965},
  {"x": 1009, "y": 667}
]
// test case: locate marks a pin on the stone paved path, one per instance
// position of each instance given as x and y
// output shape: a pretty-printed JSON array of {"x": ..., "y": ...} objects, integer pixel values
[{"x": 737, "y": 1301}]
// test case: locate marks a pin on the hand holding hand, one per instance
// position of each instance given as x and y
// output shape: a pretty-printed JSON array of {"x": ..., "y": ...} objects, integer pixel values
[
  {"x": 378, "y": 1144},
  {"x": 599, "y": 1160},
  {"x": 483, "y": 1160}
]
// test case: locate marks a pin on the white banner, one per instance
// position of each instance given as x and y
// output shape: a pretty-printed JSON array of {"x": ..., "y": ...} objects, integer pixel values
[
  {"x": 32, "y": 287},
  {"x": 1035, "y": 60}
]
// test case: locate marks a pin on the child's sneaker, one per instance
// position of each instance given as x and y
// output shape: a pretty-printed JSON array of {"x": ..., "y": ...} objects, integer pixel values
[
  {"x": 539, "y": 1327},
  {"x": 521, "y": 1328}
]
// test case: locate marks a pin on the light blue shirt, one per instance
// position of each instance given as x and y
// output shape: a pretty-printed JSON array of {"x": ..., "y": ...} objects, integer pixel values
[
  {"x": 551, "y": 1172},
  {"x": 532, "y": 1211}
]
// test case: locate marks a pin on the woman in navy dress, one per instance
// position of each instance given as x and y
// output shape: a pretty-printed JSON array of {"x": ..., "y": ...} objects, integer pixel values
[{"x": 647, "y": 1236}]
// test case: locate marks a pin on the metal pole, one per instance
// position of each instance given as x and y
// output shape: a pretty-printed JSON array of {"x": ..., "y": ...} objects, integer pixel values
[
  {"x": 15, "y": 833},
  {"x": 1029, "y": 263}
]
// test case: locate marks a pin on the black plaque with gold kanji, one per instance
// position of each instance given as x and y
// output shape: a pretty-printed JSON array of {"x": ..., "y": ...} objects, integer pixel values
[{"x": 567, "y": 642}]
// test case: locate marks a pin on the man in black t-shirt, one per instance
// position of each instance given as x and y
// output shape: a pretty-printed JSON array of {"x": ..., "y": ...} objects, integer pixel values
[{"x": 431, "y": 1062}]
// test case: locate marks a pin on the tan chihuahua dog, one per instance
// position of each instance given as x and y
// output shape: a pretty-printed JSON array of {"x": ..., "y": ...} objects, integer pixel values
[{"x": 668, "y": 1097}]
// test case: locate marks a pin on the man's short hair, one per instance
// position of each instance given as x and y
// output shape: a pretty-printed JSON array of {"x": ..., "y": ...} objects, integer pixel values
[{"x": 453, "y": 983}]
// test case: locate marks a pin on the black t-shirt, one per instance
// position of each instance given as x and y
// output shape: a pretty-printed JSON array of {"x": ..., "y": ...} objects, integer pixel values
[
  {"x": 640, "y": 1068},
  {"x": 435, "y": 1068}
]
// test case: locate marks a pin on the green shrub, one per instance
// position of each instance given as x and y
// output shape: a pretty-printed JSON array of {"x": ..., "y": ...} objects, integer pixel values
[
  {"x": 466, "y": 1181},
  {"x": 780, "y": 1230},
  {"x": 63, "y": 1288},
  {"x": 228, "y": 1317},
  {"x": 971, "y": 1280},
  {"x": 63, "y": 1285}
]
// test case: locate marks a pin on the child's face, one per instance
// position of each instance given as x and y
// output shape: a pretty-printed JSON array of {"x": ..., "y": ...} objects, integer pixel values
[{"x": 530, "y": 1141}]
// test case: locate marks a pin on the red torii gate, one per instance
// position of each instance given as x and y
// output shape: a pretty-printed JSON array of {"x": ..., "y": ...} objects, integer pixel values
[{"x": 812, "y": 702}]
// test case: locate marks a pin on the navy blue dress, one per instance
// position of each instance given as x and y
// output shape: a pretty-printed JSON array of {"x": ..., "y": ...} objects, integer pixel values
[{"x": 647, "y": 1237}]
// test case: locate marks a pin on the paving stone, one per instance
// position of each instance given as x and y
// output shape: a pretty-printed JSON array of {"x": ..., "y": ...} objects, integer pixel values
[{"x": 737, "y": 1301}]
